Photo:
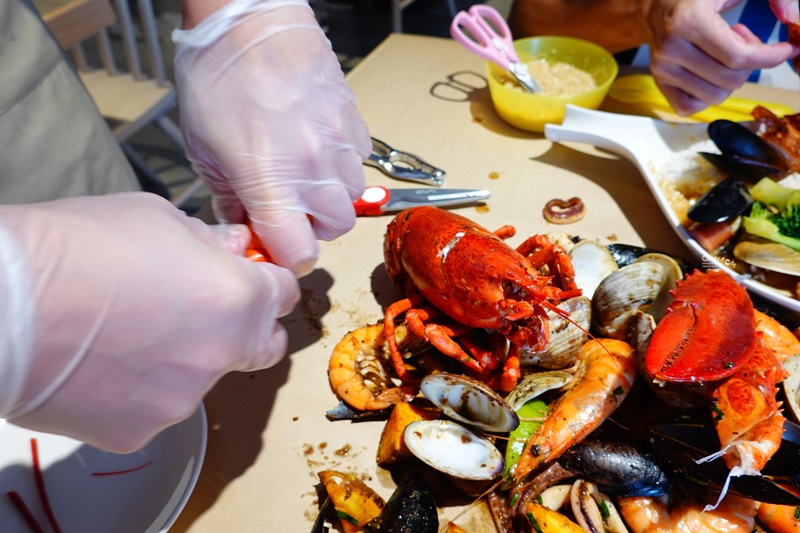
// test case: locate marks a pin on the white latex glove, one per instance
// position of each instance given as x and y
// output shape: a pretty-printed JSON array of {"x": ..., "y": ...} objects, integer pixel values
[
  {"x": 120, "y": 312},
  {"x": 697, "y": 59},
  {"x": 271, "y": 125}
]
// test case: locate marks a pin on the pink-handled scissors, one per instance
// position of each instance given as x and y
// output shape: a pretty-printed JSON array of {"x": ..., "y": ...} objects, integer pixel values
[{"x": 490, "y": 38}]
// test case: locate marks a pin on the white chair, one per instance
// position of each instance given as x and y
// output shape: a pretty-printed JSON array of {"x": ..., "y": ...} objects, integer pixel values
[{"x": 130, "y": 93}]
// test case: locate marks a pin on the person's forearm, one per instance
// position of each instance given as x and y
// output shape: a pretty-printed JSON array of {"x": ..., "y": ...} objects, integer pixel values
[{"x": 616, "y": 25}]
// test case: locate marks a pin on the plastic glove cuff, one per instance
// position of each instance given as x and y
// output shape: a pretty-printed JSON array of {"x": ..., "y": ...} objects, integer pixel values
[
  {"x": 16, "y": 321},
  {"x": 216, "y": 25}
]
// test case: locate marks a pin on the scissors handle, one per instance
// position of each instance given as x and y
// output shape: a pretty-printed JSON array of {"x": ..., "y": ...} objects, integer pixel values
[
  {"x": 488, "y": 37},
  {"x": 372, "y": 201}
]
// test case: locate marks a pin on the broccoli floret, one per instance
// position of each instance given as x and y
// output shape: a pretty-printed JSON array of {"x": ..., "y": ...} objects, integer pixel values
[
  {"x": 773, "y": 224},
  {"x": 788, "y": 221}
]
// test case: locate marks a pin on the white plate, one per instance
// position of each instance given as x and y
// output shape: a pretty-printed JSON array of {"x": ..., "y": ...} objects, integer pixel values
[
  {"x": 145, "y": 500},
  {"x": 657, "y": 147}
]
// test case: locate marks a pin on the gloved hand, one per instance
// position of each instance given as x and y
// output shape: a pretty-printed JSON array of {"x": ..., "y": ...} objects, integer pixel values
[
  {"x": 271, "y": 125},
  {"x": 697, "y": 59},
  {"x": 134, "y": 310}
]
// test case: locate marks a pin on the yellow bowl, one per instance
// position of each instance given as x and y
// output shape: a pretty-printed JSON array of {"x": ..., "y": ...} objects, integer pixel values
[{"x": 531, "y": 112}]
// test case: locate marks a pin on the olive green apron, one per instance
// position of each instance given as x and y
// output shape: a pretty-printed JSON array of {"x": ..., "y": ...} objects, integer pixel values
[{"x": 53, "y": 141}]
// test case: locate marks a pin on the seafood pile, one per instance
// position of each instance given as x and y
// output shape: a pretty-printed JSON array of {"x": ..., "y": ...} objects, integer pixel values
[
  {"x": 569, "y": 385},
  {"x": 752, "y": 213}
]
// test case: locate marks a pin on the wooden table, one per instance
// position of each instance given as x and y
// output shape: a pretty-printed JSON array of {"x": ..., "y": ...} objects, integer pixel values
[{"x": 268, "y": 435}]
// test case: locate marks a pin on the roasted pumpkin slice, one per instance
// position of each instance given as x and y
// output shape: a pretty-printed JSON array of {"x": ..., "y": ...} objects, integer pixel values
[{"x": 356, "y": 504}]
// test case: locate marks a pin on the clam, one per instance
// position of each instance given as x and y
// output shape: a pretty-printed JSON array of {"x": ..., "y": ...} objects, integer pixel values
[
  {"x": 567, "y": 335},
  {"x": 453, "y": 449},
  {"x": 672, "y": 274},
  {"x": 592, "y": 262},
  {"x": 769, "y": 255},
  {"x": 791, "y": 385},
  {"x": 469, "y": 401},
  {"x": 636, "y": 288},
  {"x": 535, "y": 384}
]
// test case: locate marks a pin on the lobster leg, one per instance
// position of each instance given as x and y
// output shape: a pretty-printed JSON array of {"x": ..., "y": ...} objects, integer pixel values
[
  {"x": 442, "y": 338},
  {"x": 487, "y": 357},
  {"x": 392, "y": 312},
  {"x": 505, "y": 232},
  {"x": 540, "y": 251},
  {"x": 511, "y": 370},
  {"x": 439, "y": 335}
]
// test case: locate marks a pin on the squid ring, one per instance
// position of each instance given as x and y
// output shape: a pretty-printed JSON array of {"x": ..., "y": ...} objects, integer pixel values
[{"x": 564, "y": 211}]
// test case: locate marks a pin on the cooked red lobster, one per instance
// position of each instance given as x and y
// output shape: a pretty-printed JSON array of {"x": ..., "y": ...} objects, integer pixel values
[{"x": 447, "y": 264}]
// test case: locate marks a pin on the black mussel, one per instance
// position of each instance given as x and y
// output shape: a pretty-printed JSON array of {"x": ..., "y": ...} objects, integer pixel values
[
  {"x": 681, "y": 446},
  {"x": 625, "y": 254},
  {"x": 746, "y": 169},
  {"x": 745, "y": 155},
  {"x": 345, "y": 412},
  {"x": 618, "y": 468},
  {"x": 410, "y": 509},
  {"x": 724, "y": 201}
]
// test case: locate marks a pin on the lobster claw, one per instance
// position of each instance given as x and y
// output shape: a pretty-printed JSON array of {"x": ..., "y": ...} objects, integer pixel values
[
  {"x": 708, "y": 333},
  {"x": 682, "y": 445}
]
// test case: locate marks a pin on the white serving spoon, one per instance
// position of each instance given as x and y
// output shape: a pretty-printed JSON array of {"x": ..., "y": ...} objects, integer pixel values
[{"x": 658, "y": 149}]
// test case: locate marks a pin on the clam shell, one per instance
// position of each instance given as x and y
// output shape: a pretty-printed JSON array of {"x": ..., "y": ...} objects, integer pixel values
[
  {"x": 532, "y": 385},
  {"x": 453, "y": 449},
  {"x": 469, "y": 401},
  {"x": 592, "y": 262},
  {"x": 791, "y": 385},
  {"x": 631, "y": 290},
  {"x": 770, "y": 256},
  {"x": 672, "y": 275},
  {"x": 566, "y": 338}
]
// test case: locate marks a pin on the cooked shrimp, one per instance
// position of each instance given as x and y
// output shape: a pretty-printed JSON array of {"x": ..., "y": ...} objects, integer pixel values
[
  {"x": 653, "y": 515},
  {"x": 357, "y": 368},
  {"x": 605, "y": 372},
  {"x": 783, "y": 518}
]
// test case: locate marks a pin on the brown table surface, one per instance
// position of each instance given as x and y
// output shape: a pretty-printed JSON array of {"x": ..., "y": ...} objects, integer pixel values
[{"x": 268, "y": 435}]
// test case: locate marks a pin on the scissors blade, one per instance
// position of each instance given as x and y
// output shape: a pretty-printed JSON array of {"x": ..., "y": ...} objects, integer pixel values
[{"x": 401, "y": 199}]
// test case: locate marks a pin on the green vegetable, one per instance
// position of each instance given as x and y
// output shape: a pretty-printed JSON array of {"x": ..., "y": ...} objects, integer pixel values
[
  {"x": 345, "y": 516},
  {"x": 782, "y": 227},
  {"x": 775, "y": 214},
  {"x": 767, "y": 191},
  {"x": 532, "y": 409}
]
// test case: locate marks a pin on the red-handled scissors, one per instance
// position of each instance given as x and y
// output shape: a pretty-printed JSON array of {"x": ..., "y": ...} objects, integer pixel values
[
  {"x": 378, "y": 200},
  {"x": 488, "y": 36}
]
